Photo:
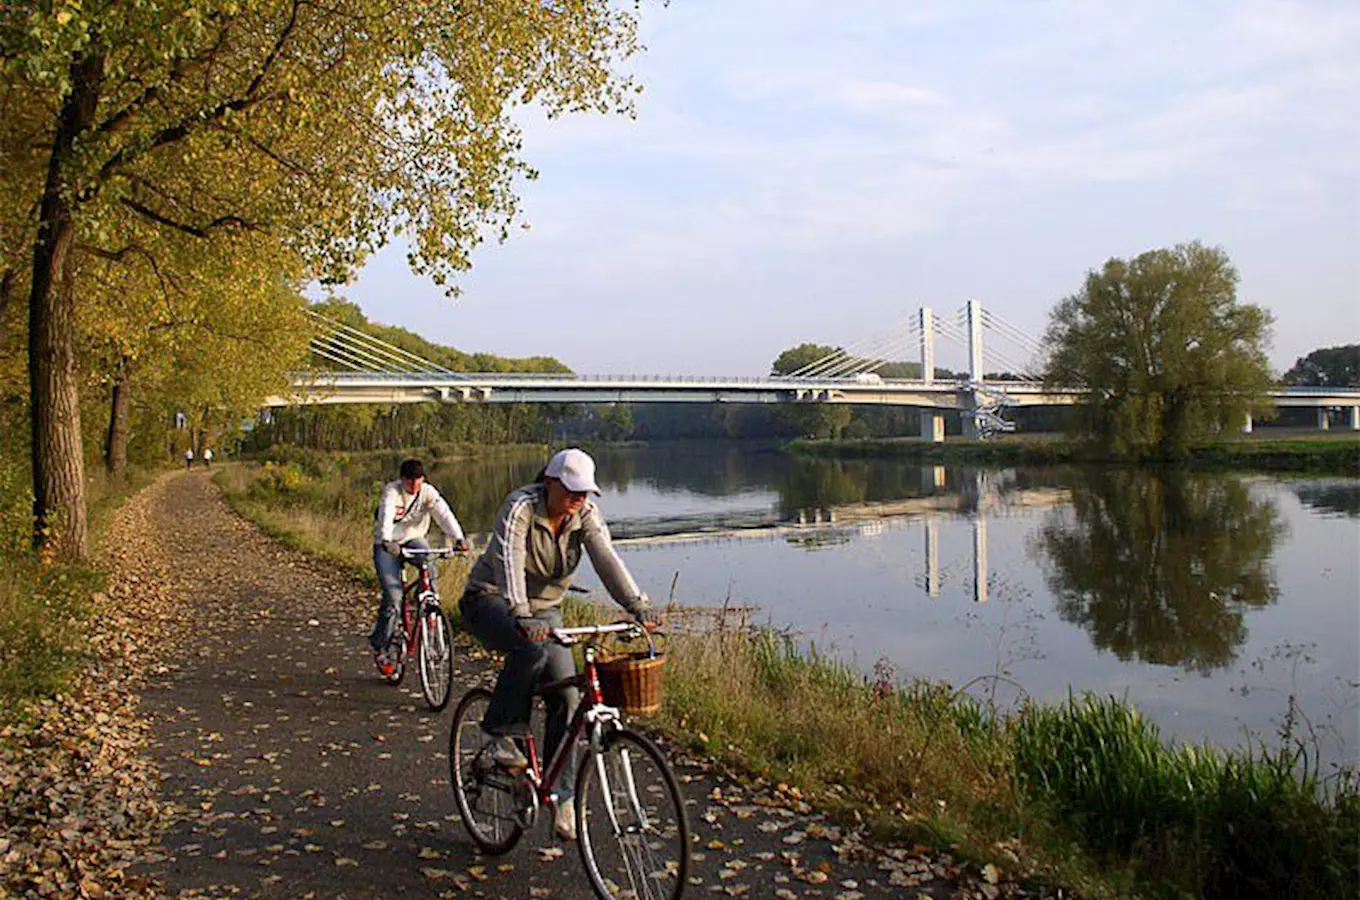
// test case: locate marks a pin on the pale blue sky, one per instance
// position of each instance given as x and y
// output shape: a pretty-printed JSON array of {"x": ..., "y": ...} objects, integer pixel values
[{"x": 804, "y": 171}]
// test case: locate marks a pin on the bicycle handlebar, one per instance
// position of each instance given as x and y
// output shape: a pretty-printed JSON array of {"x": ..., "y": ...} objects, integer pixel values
[
  {"x": 572, "y": 635},
  {"x": 432, "y": 553}
]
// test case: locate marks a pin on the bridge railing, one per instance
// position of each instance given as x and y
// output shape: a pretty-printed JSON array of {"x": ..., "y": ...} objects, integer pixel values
[{"x": 792, "y": 381}]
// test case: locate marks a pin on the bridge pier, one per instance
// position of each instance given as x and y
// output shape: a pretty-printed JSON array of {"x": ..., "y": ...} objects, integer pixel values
[
  {"x": 1247, "y": 425},
  {"x": 971, "y": 432},
  {"x": 1355, "y": 418},
  {"x": 932, "y": 426},
  {"x": 1324, "y": 421}
]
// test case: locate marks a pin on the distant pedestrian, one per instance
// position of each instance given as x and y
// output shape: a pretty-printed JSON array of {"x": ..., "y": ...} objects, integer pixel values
[
  {"x": 189, "y": 458},
  {"x": 207, "y": 457}
]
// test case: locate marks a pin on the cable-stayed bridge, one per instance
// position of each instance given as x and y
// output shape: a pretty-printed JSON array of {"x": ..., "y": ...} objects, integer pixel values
[{"x": 355, "y": 367}]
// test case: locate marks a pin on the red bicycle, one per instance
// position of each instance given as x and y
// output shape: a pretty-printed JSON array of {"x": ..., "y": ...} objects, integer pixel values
[
  {"x": 423, "y": 630},
  {"x": 632, "y": 831}
]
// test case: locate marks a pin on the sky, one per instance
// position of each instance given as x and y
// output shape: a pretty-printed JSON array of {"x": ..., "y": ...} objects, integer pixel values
[{"x": 812, "y": 172}]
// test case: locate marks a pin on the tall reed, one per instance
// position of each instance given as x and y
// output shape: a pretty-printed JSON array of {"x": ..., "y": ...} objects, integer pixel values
[{"x": 1194, "y": 818}]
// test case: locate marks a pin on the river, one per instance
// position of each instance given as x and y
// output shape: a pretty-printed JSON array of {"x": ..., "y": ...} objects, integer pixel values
[{"x": 1216, "y": 603}]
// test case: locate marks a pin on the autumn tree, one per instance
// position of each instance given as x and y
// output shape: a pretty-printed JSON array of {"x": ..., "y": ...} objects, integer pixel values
[
  {"x": 330, "y": 127},
  {"x": 207, "y": 337},
  {"x": 1161, "y": 349}
]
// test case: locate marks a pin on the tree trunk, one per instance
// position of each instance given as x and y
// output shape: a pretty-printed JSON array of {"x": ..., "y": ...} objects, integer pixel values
[
  {"x": 6, "y": 288},
  {"x": 115, "y": 447},
  {"x": 58, "y": 465}
]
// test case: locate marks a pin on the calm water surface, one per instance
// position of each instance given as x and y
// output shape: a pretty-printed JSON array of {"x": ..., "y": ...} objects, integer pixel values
[{"x": 1208, "y": 600}]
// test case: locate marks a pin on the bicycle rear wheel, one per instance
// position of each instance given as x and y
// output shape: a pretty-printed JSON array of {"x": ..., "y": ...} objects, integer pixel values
[
  {"x": 486, "y": 794},
  {"x": 630, "y": 821},
  {"x": 434, "y": 650}
]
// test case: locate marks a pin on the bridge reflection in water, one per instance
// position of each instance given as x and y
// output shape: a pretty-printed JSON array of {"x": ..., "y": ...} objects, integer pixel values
[{"x": 982, "y": 493}]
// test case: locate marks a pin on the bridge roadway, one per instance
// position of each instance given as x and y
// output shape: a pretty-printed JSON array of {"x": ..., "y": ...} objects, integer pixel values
[{"x": 502, "y": 387}]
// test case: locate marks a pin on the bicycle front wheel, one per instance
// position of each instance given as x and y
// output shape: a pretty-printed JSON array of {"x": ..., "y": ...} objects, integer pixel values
[
  {"x": 630, "y": 821},
  {"x": 434, "y": 652},
  {"x": 485, "y": 793}
]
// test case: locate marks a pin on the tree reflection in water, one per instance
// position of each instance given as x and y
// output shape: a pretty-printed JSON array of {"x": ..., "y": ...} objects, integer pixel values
[
  {"x": 1159, "y": 566},
  {"x": 1340, "y": 497}
]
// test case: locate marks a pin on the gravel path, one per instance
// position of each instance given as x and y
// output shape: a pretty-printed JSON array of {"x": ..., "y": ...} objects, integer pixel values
[{"x": 288, "y": 769}]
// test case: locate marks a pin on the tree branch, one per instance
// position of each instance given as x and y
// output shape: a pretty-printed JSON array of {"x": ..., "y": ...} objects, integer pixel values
[
  {"x": 184, "y": 127},
  {"x": 182, "y": 67},
  {"x": 195, "y": 230}
]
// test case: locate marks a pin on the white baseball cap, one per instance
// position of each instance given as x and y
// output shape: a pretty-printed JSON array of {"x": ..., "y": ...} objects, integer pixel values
[{"x": 575, "y": 469}]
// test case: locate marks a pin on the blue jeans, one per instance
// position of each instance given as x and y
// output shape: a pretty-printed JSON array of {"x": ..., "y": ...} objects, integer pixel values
[
  {"x": 389, "y": 580},
  {"x": 487, "y": 617}
]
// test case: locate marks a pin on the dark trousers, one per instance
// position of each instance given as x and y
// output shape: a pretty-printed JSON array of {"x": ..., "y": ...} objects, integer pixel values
[{"x": 487, "y": 617}]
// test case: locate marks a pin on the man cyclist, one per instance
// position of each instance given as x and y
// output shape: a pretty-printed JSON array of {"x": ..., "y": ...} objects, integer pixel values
[{"x": 405, "y": 507}]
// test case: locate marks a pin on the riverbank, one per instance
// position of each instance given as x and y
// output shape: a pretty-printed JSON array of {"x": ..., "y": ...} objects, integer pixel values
[
  {"x": 1029, "y": 793},
  {"x": 1293, "y": 452}
]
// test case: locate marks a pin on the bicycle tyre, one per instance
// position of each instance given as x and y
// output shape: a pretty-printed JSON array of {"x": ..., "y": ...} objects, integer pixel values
[
  {"x": 486, "y": 801},
  {"x": 647, "y": 857},
  {"x": 434, "y": 656}
]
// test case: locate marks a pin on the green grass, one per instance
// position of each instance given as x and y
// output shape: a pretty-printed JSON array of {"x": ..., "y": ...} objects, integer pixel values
[{"x": 44, "y": 604}]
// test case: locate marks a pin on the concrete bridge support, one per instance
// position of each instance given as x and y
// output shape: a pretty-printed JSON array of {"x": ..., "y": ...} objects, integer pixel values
[
  {"x": 927, "y": 323},
  {"x": 971, "y": 431},
  {"x": 1324, "y": 422},
  {"x": 932, "y": 426},
  {"x": 1247, "y": 425},
  {"x": 1355, "y": 418}
]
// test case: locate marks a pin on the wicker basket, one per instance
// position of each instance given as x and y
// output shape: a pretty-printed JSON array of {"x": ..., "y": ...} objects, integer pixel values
[{"x": 632, "y": 682}]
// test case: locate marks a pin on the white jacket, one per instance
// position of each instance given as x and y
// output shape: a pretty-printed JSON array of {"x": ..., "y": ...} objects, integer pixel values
[{"x": 401, "y": 516}]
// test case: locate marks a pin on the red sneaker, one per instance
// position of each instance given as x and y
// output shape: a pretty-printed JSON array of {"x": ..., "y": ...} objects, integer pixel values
[{"x": 386, "y": 665}]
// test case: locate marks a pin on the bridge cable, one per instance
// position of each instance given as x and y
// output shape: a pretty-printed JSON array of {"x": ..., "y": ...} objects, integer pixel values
[
  {"x": 387, "y": 355},
  {"x": 808, "y": 370},
  {"x": 868, "y": 357},
  {"x": 368, "y": 361},
  {"x": 380, "y": 347}
]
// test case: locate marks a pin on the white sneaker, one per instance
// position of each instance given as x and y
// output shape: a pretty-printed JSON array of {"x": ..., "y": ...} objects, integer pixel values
[
  {"x": 564, "y": 822},
  {"x": 503, "y": 752}
]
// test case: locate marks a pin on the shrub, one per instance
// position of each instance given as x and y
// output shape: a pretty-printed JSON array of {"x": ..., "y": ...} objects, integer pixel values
[{"x": 277, "y": 480}]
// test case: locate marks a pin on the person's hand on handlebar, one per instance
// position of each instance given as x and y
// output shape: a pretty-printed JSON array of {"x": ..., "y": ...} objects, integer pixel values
[
  {"x": 461, "y": 546},
  {"x": 393, "y": 548},
  {"x": 648, "y": 618},
  {"x": 533, "y": 629}
]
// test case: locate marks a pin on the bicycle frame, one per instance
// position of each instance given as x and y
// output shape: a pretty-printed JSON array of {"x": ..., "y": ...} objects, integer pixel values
[
  {"x": 591, "y": 712},
  {"x": 411, "y": 592}
]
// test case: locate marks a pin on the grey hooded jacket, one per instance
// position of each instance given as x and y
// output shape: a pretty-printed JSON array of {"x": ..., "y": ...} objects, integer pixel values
[{"x": 531, "y": 567}]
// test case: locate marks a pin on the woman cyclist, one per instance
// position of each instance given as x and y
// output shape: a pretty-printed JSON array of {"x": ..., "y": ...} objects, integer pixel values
[{"x": 512, "y": 599}]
